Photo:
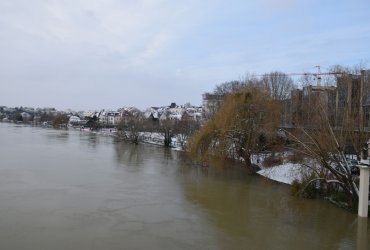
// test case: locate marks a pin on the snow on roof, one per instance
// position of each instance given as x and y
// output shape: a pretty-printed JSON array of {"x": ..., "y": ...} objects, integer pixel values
[{"x": 74, "y": 118}]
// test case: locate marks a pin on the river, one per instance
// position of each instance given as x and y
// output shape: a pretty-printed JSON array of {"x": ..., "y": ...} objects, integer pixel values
[{"x": 78, "y": 190}]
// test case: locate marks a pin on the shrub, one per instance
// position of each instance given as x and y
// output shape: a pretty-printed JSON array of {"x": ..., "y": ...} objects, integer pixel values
[
  {"x": 296, "y": 187},
  {"x": 304, "y": 188}
]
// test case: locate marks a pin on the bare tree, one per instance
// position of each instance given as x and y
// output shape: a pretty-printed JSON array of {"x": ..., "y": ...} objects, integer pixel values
[
  {"x": 166, "y": 128},
  {"x": 60, "y": 120},
  {"x": 278, "y": 84},
  {"x": 184, "y": 128},
  {"x": 361, "y": 65},
  {"x": 228, "y": 87},
  {"x": 324, "y": 148},
  {"x": 130, "y": 125}
]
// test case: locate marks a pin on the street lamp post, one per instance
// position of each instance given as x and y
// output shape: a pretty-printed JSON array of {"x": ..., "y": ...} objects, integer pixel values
[{"x": 363, "y": 196}]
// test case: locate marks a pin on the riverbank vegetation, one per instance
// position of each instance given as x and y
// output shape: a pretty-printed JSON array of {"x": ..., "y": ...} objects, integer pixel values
[
  {"x": 324, "y": 147},
  {"x": 245, "y": 124}
]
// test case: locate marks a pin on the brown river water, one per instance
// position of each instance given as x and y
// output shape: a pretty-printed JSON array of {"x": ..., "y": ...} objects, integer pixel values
[{"x": 78, "y": 190}]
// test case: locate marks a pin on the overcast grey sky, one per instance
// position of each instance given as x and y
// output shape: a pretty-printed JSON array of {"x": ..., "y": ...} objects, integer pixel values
[{"x": 91, "y": 54}]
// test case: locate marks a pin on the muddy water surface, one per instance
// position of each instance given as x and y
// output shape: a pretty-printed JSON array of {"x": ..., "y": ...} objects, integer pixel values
[{"x": 77, "y": 190}]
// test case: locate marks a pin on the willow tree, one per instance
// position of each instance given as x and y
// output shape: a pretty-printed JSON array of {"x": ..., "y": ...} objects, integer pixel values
[{"x": 243, "y": 125}]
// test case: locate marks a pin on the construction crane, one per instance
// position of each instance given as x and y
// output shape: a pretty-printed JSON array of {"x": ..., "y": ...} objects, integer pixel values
[{"x": 317, "y": 75}]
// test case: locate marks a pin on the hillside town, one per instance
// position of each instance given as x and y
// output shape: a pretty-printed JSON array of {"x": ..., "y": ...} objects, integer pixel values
[{"x": 106, "y": 118}]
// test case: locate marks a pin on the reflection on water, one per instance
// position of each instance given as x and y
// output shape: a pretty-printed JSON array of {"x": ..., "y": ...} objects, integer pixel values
[
  {"x": 254, "y": 212},
  {"x": 362, "y": 233},
  {"x": 131, "y": 155},
  {"x": 89, "y": 139},
  {"x": 167, "y": 155},
  {"x": 79, "y": 190},
  {"x": 57, "y": 136}
]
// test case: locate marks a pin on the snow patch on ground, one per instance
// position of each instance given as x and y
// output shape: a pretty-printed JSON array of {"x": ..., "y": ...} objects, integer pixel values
[{"x": 285, "y": 173}]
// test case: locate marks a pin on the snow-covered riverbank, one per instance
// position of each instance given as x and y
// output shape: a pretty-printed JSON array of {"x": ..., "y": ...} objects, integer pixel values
[
  {"x": 284, "y": 173},
  {"x": 145, "y": 137}
]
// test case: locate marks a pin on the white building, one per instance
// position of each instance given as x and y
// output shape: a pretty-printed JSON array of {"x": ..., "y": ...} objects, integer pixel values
[{"x": 109, "y": 117}]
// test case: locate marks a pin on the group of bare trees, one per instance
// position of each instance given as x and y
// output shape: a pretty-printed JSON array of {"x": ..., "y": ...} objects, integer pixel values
[
  {"x": 131, "y": 128},
  {"x": 277, "y": 84},
  {"x": 247, "y": 122}
]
